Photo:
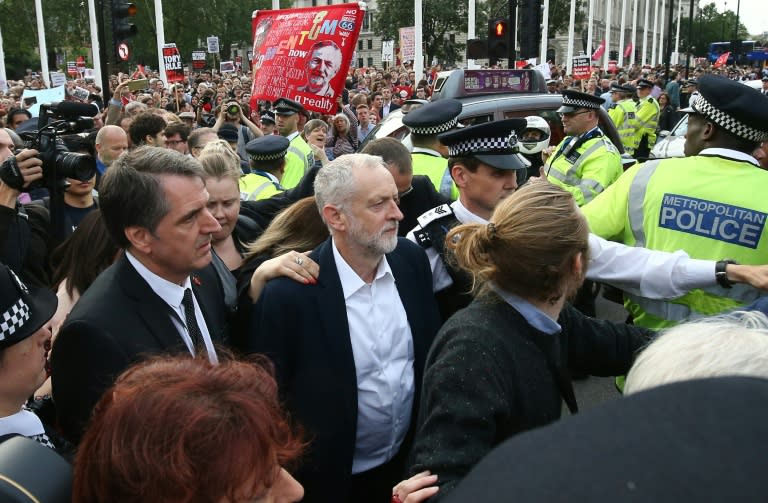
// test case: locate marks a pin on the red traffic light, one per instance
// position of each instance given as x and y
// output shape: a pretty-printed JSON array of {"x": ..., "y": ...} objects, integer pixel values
[
  {"x": 123, "y": 9},
  {"x": 500, "y": 28}
]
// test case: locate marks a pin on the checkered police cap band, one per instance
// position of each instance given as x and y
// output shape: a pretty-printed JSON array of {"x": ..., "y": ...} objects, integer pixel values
[
  {"x": 13, "y": 319},
  {"x": 579, "y": 103},
  {"x": 436, "y": 129},
  {"x": 727, "y": 122},
  {"x": 496, "y": 145},
  {"x": 269, "y": 157}
]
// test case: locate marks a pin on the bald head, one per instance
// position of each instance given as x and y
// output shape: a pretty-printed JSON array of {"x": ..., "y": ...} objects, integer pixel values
[{"x": 111, "y": 141}]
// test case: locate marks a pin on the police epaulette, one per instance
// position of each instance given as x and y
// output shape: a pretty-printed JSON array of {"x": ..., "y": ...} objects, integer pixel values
[{"x": 437, "y": 213}]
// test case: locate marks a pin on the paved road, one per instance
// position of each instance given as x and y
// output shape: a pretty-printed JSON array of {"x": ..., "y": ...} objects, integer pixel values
[{"x": 595, "y": 390}]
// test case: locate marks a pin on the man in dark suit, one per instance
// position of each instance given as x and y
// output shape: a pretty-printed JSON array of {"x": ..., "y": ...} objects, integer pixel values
[
  {"x": 350, "y": 347},
  {"x": 416, "y": 193},
  {"x": 160, "y": 296},
  {"x": 387, "y": 105}
]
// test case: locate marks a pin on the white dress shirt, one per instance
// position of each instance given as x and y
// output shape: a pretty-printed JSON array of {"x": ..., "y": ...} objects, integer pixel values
[
  {"x": 173, "y": 294},
  {"x": 639, "y": 271},
  {"x": 382, "y": 347},
  {"x": 24, "y": 423}
]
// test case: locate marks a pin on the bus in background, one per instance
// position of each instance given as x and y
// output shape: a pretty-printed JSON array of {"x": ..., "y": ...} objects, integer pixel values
[{"x": 749, "y": 52}]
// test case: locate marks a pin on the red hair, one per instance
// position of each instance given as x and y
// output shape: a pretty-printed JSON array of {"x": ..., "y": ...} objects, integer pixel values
[{"x": 184, "y": 430}]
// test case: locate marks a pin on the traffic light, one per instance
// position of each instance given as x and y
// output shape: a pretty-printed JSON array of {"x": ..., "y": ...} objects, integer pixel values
[
  {"x": 530, "y": 28},
  {"x": 498, "y": 38},
  {"x": 122, "y": 28}
]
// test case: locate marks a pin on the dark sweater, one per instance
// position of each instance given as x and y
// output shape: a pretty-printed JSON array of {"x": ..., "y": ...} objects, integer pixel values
[{"x": 488, "y": 377}]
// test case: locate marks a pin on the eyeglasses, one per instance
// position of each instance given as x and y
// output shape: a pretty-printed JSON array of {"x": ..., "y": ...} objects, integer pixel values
[
  {"x": 404, "y": 193},
  {"x": 573, "y": 114}
]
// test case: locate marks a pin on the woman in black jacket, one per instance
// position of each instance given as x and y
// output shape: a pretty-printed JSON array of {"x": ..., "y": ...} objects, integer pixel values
[
  {"x": 668, "y": 116},
  {"x": 501, "y": 366}
]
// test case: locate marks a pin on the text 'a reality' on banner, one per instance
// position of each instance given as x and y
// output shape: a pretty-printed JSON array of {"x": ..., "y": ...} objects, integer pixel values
[
  {"x": 304, "y": 54},
  {"x": 174, "y": 71}
]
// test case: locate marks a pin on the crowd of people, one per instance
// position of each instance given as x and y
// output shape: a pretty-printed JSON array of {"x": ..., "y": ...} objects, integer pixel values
[{"x": 251, "y": 302}]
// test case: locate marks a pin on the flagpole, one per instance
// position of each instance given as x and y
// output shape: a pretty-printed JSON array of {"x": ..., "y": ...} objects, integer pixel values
[
  {"x": 571, "y": 27},
  {"x": 160, "y": 39},
  {"x": 677, "y": 34},
  {"x": 654, "y": 36},
  {"x": 544, "y": 32},
  {"x": 645, "y": 32},
  {"x": 95, "y": 47},
  {"x": 41, "y": 43},
  {"x": 590, "y": 22},
  {"x": 470, "y": 29},
  {"x": 418, "y": 58},
  {"x": 607, "y": 51},
  {"x": 661, "y": 32},
  {"x": 621, "y": 33},
  {"x": 634, "y": 32}
]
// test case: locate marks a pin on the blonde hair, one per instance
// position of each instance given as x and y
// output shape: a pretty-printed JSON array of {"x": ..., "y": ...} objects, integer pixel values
[
  {"x": 298, "y": 227},
  {"x": 219, "y": 160},
  {"x": 528, "y": 247}
]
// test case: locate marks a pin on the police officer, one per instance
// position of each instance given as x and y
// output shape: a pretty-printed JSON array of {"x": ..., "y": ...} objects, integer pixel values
[
  {"x": 299, "y": 158},
  {"x": 648, "y": 112},
  {"x": 486, "y": 166},
  {"x": 268, "y": 161},
  {"x": 586, "y": 161},
  {"x": 429, "y": 155},
  {"x": 624, "y": 115},
  {"x": 707, "y": 204}
]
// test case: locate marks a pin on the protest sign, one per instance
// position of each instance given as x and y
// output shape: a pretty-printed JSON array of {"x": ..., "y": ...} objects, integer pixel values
[
  {"x": 581, "y": 68},
  {"x": 198, "y": 60},
  {"x": 304, "y": 53},
  {"x": 408, "y": 43},
  {"x": 174, "y": 70}
]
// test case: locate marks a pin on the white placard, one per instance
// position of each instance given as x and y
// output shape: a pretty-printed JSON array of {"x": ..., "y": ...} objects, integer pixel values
[
  {"x": 213, "y": 45},
  {"x": 387, "y": 51}
]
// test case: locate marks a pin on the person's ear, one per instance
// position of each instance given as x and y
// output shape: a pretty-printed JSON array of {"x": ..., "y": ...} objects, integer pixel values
[
  {"x": 334, "y": 217},
  {"x": 140, "y": 238}
]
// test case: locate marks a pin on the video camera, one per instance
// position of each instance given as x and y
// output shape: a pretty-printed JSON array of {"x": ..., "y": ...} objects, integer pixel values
[{"x": 55, "y": 119}]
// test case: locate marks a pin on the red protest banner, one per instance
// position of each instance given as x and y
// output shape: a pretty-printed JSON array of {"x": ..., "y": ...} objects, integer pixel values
[
  {"x": 721, "y": 60},
  {"x": 304, "y": 53},
  {"x": 174, "y": 71}
]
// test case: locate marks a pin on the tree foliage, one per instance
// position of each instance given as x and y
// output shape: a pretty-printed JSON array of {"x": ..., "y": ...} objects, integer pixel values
[
  {"x": 67, "y": 29},
  {"x": 709, "y": 26}
]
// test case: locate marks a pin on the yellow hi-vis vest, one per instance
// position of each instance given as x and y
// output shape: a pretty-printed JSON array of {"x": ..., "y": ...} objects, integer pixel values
[
  {"x": 704, "y": 205},
  {"x": 624, "y": 117},
  {"x": 436, "y": 169},
  {"x": 597, "y": 166},
  {"x": 254, "y": 186},
  {"x": 648, "y": 119},
  {"x": 298, "y": 160}
]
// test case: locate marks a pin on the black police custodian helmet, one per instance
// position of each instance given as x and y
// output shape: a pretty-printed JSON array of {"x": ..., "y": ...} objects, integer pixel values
[
  {"x": 492, "y": 143},
  {"x": 23, "y": 310}
]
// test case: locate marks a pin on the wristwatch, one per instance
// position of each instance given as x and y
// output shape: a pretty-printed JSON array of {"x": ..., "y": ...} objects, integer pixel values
[{"x": 721, "y": 276}]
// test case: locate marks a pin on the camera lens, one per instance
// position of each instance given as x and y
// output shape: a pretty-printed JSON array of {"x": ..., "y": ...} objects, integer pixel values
[
  {"x": 74, "y": 165},
  {"x": 233, "y": 110}
]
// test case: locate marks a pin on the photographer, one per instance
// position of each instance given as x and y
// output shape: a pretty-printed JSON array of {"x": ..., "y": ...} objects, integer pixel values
[
  {"x": 232, "y": 113},
  {"x": 24, "y": 243}
]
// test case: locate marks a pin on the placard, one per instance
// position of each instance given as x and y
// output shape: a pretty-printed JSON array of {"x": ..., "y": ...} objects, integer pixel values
[
  {"x": 304, "y": 53},
  {"x": 174, "y": 69},
  {"x": 408, "y": 43},
  {"x": 198, "y": 60},
  {"x": 213, "y": 45},
  {"x": 582, "y": 69}
]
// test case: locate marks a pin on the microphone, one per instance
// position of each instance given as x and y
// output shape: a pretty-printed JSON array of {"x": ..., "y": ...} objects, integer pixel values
[{"x": 71, "y": 108}]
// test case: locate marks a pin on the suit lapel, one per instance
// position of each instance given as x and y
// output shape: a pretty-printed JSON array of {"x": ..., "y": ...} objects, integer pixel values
[
  {"x": 150, "y": 307},
  {"x": 205, "y": 285},
  {"x": 333, "y": 313}
]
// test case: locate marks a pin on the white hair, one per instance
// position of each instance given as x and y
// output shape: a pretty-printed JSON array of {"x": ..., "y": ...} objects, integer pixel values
[
  {"x": 726, "y": 345},
  {"x": 335, "y": 183}
]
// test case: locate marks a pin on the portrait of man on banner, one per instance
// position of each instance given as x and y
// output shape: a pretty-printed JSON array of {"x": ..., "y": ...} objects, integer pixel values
[
  {"x": 323, "y": 64},
  {"x": 303, "y": 54}
]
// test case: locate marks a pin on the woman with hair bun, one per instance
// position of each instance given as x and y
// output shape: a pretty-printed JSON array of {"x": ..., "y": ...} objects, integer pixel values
[{"x": 501, "y": 365}]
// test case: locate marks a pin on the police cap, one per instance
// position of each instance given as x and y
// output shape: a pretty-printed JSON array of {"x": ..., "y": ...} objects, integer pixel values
[
  {"x": 268, "y": 147},
  {"x": 23, "y": 309},
  {"x": 644, "y": 83},
  {"x": 284, "y": 106},
  {"x": 434, "y": 117},
  {"x": 268, "y": 118},
  {"x": 492, "y": 143},
  {"x": 574, "y": 100},
  {"x": 228, "y": 132},
  {"x": 626, "y": 88},
  {"x": 737, "y": 108}
]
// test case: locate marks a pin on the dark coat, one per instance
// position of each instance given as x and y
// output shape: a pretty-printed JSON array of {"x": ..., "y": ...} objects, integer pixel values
[
  {"x": 118, "y": 320},
  {"x": 304, "y": 330},
  {"x": 491, "y": 375},
  {"x": 423, "y": 198}
]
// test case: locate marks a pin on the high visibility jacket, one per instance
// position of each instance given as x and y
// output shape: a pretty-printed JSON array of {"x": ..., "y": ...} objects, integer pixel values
[
  {"x": 706, "y": 205},
  {"x": 624, "y": 117},
  {"x": 298, "y": 160},
  {"x": 254, "y": 186},
  {"x": 586, "y": 171},
  {"x": 648, "y": 120},
  {"x": 436, "y": 169}
]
